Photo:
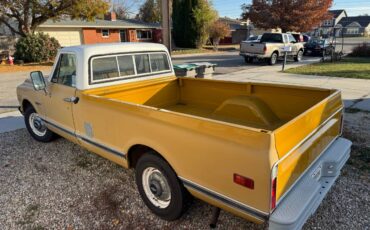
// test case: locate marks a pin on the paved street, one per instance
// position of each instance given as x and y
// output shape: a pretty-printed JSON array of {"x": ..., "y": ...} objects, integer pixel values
[{"x": 228, "y": 62}]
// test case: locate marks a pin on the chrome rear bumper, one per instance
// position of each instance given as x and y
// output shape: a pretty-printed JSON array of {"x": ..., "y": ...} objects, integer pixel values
[{"x": 306, "y": 195}]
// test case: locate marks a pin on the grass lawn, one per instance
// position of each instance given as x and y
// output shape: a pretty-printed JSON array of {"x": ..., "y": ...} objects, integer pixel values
[
  {"x": 205, "y": 49},
  {"x": 4, "y": 68},
  {"x": 191, "y": 51},
  {"x": 349, "y": 67}
]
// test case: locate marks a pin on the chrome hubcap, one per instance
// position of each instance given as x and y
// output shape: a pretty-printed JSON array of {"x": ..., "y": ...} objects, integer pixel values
[
  {"x": 273, "y": 58},
  {"x": 37, "y": 125},
  {"x": 156, "y": 187}
]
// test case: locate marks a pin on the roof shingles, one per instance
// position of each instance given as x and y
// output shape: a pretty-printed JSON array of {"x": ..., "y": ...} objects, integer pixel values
[
  {"x": 364, "y": 21},
  {"x": 98, "y": 23}
]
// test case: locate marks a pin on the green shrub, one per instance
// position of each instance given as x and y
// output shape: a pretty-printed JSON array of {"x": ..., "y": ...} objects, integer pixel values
[
  {"x": 362, "y": 50},
  {"x": 37, "y": 47}
]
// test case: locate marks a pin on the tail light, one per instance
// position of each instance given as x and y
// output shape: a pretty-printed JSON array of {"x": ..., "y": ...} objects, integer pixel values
[
  {"x": 265, "y": 49},
  {"x": 273, "y": 187},
  {"x": 243, "y": 181}
]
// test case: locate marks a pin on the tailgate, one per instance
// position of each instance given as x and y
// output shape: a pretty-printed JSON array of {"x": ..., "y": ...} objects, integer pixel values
[
  {"x": 252, "y": 47},
  {"x": 300, "y": 142}
]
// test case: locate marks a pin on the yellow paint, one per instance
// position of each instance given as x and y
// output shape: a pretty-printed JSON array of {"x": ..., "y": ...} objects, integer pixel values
[{"x": 208, "y": 130}]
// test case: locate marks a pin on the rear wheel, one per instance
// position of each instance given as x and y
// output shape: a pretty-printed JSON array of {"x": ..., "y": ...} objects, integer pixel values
[
  {"x": 248, "y": 59},
  {"x": 299, "y": 56},
  {"x": 36, "y": 126},
  {"x": 160, "y": 188},
  {"x": 273, "y": 58}
]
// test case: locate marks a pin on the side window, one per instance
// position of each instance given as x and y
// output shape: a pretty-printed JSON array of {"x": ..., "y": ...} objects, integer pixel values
[
  {"x": 104, "y": 68},
  {"x": 159, "y": 62},
  {"x": 126, "y": 65},
  {"x": 291, "y": 38},
  {"x": 65, "y": 72},
  {"x": 142, "y": 63}
]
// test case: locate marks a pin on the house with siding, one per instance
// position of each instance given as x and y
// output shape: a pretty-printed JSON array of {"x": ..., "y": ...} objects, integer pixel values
[
  {"x": 355, "y": 26},
  {"x": 328, "y": 26}
]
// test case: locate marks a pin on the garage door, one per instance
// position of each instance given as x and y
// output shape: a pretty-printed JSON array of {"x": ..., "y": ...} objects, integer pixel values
[{"x": 66, "y": 37}]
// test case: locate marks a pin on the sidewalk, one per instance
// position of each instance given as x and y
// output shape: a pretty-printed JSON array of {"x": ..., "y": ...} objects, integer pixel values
[
  {"x": 11, "y": 121},
  {"x": 355, "y": 92}
]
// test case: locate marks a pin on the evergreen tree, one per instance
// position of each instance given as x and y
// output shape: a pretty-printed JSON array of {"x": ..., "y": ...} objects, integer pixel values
[{"x": 191, "y": 20}]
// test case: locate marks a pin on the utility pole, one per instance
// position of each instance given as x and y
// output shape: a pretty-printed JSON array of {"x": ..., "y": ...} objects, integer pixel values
[{"x": 166, "y": 24}]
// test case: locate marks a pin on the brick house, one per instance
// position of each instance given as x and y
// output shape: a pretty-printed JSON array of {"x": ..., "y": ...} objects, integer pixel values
[{"x": 76, "y": 32}]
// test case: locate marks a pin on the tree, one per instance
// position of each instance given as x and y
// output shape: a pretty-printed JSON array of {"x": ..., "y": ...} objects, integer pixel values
[
  {"x": 184, "y": 32},
  {"x": 29, "y": 14},
  {"x": 288, "y": 15},
  {"x": 217, "y": 31},
  {"x": 124, "y": 9},
  {"x": 191, "y": 20},
  {"x": 150, "y": 11},
  {"x": 121, "y": 12},
  {"x": 204, "y": 16}
]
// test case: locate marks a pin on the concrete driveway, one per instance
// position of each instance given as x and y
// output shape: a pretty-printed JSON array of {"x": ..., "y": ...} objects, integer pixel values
[{"x": 8, "y": 85}]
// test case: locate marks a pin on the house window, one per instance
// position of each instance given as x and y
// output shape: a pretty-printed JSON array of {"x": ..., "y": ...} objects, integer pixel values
[
  {"x": 327, "y": 22},
  {"x": 353, "y": 31},
  {"x": 144, "y": 34},
  {"x": 105, "y": 33}
]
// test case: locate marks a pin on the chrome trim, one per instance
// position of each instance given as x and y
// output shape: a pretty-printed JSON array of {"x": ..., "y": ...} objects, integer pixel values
[
  {"x": 308, "y": 136},
  {"x": 227, "y": 200},
  {"x": 86, "y": 139}
]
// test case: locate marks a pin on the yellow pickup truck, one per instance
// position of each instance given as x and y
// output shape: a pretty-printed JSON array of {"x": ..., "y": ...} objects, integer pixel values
[{"x": 264, "y": 152}]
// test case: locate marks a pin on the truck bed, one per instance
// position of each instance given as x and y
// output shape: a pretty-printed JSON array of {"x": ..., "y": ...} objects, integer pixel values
[
  {"x": 257, "y": 106},
  {"x": 301, "y": 121}
]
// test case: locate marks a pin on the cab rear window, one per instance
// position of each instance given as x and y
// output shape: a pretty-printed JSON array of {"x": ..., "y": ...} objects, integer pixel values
[{"x": 127, "y": 66}]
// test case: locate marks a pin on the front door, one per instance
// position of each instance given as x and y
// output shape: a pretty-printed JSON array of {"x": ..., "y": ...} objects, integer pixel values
[
  {"x": 61, "y": 96},
  {"x": 122, "y": 34}
]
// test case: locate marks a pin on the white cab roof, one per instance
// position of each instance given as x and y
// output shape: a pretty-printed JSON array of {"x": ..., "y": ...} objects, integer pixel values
[
  {"x": 107, "y": 48},
  {"x": 85, "y": 52}
]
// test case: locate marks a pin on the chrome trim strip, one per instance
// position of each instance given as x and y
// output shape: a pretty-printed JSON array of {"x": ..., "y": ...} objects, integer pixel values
[
  {"x": 106, "y": 148},
  {"x": 83, "y": 138},
  {"x": 226, "y": 200},
  {"x": 308, "y": 136}
]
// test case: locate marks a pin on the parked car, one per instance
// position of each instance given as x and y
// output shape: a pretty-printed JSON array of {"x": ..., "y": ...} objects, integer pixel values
[
  {"x": 262, "y": 151},
  {"x": 298, "y": 37},
  {"x": 318, "y": 47},
  {"x": 252, "y": 38},
  {"x": 270, "y": 48}
]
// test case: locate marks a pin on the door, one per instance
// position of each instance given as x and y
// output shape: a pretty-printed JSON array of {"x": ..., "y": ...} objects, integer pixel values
[
  {"x": 61, "y": 96},
  {"x": 65, "y": 36},
  {"x": 122, "y": 34},
  {"x": 293, "y": 44}
]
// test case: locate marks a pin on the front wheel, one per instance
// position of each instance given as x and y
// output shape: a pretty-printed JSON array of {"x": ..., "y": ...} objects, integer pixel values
[
  {"x": 36, "y": 126},
  {"x": 299, "y": 56},
  {"x": 160, "y": 188}
]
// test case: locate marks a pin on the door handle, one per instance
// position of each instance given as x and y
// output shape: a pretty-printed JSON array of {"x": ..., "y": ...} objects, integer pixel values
[{"x": 73, "y": 100}]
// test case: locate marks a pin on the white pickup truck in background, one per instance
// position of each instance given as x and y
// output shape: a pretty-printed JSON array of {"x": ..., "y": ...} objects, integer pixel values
[{"x": 270, "y": 48}]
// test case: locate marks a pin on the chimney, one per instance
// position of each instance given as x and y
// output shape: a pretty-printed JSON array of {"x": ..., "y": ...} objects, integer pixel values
[{"x": 110, "y": 16}]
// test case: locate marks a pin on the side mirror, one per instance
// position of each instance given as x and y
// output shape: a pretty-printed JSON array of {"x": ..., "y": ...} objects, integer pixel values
[{"x": 38, "y": 80}]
